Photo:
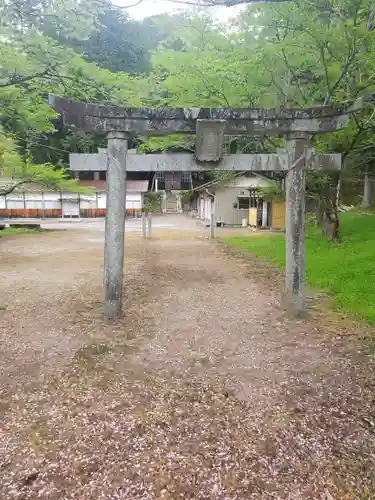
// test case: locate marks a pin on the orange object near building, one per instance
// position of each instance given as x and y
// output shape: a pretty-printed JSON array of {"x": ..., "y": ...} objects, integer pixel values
[
  {"x": 278, "y": 214},
  {"x": 253, "y": 217}
]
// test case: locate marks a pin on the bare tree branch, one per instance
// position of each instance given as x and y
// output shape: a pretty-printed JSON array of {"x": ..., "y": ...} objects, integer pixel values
[
  {"x": 279, "y": 88},
  {"x": 360, "y": 130},
  {"x": 10, "y": 188},
  {"x": 289, "y": 68},
  {"x": 222, "y": 3},
  {"x": 211, "y": 88},
  {"x": 16, "y": 79},
  {"x": 370, "y": 23},
  {"x": 130, "y": 6},
  {"x": 207, "y": 3},
  {"x": 232, "y": 3},
  {"x": 271, "y": 141}
]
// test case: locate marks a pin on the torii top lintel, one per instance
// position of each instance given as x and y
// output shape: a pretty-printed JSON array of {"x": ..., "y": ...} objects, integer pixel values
[{"x": 101, "y": 118}]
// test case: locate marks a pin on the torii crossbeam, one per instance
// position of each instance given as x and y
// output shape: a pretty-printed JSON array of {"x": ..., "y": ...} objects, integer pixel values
[{"x": 210, "y": 126}]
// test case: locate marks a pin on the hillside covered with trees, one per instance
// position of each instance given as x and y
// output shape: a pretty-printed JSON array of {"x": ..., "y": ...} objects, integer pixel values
[{"x": 271, "y": 55}]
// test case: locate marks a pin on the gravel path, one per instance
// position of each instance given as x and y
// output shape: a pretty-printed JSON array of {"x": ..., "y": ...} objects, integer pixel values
[{"x": 204, "y": 389}]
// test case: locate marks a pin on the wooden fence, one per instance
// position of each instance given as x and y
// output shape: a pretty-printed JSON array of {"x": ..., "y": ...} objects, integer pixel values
[
  {"x": 57, "y": 213},
  {"x": 30, "y": 213}
]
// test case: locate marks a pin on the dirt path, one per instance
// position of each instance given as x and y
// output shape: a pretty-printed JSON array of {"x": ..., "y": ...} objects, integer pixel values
[{"x": 203, "y": 390}]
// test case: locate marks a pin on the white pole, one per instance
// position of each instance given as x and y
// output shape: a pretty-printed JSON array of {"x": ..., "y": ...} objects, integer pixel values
[
  {"x": 213, "y": 215},
  {"x": 212, "y": 226},
  {"x": 43, "y": 207},
  {"x": 149, "y": 225},
  {"x": 156, "y": 185},
  {"x": 264, "y": 213},
  {"x": 144, "y": 225}
]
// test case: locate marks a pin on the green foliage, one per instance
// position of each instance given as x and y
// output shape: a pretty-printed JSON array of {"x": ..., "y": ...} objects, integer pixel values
[
  {"x": 276, "y": 55},
  {"x": 225, "y": 176},
  {"x": 37, "y": 57},
  {"x": 117, "y": 43},
  {"x": 204, "y": 70},
  {"x": 273, "y": 192},
  {"x": 166, "y": 143},
  {"x": 45, "y": 175},
  {"x": 343, "y": 270},
  {"x": 15, "y": 231},
  {"x": 152, "y": 201},
  {"x": 273, "y": 55},
  {"x": 21, "y": 171},
  {"x": 186, "y": 195}
]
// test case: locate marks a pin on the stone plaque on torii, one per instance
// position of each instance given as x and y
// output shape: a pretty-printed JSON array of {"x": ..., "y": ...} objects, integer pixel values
[{"x": 210, "y": 126}]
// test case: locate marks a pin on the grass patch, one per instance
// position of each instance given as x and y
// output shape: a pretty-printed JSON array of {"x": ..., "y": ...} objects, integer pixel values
[
  {"x": 15, "y": 231},
  {"x": 345, "y": 270}
]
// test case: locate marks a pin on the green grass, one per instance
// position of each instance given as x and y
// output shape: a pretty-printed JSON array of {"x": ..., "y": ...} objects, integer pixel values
[
  {"x": 344, "y": 270},
  {"x": 15, "y": 231}
]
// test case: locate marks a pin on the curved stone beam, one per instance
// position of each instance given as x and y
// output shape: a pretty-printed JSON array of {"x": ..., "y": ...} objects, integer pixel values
[{"x": 102, "y": 118}]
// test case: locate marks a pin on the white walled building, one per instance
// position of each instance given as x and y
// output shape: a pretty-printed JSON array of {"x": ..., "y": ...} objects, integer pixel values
[{"x": 35, "y": 201}]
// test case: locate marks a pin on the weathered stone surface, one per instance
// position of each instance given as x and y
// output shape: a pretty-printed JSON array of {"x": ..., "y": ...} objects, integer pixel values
[
  {"x": 184, "y": 162},
  {"x": 295, "y": 225},
  {"x": 63, "y": 104},
  {"x": 209, "y": 140},
  {"x": 114, "y": 224},
  {"x": 154, "y": 121}
]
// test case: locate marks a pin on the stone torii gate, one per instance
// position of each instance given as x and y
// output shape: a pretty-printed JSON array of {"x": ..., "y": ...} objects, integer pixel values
[{"x": 210, "y": 126}]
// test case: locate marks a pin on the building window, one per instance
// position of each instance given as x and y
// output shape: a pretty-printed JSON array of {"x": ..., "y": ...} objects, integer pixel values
[
  {"x": 186, "y": 180},
  {"x": 244, "y": 203},
  {"x": 186, "y": 177},
  {"x": 225, "y": 148},
  {"x": 160, "y": 178},
  {"x": 87, "y": 175},
  {"x": 103, "y": 175}
]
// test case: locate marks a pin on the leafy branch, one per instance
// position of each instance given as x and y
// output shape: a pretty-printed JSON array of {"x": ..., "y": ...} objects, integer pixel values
[{"x": 18, "y": 79}]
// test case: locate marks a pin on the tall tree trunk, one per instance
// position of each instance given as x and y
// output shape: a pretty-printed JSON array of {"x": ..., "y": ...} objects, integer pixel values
[
  {"x": 338, "y": 189},
  {"x": 319, "y": 212},
  {"x": 367, "y": 192},
  {"x": 331, "y": 223}
]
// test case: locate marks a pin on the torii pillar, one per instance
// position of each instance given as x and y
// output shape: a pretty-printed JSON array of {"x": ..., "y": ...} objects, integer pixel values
[
  {"x": 295, "y": 268},
  {"x": 115, "y": 222}
]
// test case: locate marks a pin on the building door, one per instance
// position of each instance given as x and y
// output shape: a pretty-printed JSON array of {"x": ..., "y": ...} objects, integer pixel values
[
  {"x": 70, "y": 207},
  {"x": 243, "y": 211},
  {"x": 161, "y": 180},
  {"x": 201, "y": 208},
  {"x": 186, "y": 182}
]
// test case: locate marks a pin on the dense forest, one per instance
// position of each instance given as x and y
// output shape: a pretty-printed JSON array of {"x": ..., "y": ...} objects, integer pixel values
[{"x": 278, "y": 55}]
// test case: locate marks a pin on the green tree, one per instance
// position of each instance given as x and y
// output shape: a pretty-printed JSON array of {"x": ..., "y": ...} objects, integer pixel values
[
  {"x": 33, "y": 64},
  {"x": 117, "y": 42},
  {"x": 279, "y": 55},
  {"x": 17, "y": 170}
]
